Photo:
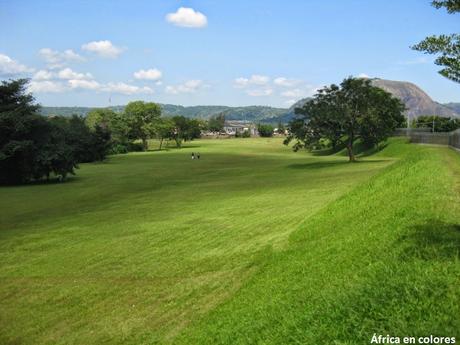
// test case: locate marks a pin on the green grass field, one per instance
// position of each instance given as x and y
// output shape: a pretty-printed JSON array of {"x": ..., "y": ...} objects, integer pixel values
[{"x": 252, "y": 243}]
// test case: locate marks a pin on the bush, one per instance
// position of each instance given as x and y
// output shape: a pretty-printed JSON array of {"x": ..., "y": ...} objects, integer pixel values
[
  {"x": 265, "y": 130},
  {"x": 135, "y": 147},
  {"x": 244, "y": 134}
]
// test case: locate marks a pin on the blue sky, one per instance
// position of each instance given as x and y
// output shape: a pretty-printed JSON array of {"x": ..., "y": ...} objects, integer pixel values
[{"x": 90, "y": 53}]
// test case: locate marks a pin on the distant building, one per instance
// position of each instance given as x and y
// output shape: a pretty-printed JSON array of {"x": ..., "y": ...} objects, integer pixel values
[{"x": 233, "y": 127}]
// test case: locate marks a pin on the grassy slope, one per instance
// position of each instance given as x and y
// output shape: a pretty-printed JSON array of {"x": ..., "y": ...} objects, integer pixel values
[
  {"x": 132, "y": 250},
  {"x": 383, "y": 258}
]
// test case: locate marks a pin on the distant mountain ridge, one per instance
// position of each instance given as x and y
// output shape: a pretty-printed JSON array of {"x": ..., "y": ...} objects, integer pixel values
[{"x": 416, "y": 100}]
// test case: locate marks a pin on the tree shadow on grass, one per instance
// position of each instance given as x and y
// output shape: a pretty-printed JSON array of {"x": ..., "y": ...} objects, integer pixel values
[
  {"x": 434, "y": 240},
  {"x": 329, "y": 164}
]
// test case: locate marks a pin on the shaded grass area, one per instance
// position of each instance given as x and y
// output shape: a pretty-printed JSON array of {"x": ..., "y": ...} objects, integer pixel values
[
  {"x": 132, "y": 250},
  {"x": 382, "y": 259}
]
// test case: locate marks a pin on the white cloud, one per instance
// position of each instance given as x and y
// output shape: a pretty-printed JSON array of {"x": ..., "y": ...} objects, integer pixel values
[
  {"x": 43, "y": 75},
  {"x": 187, "y": 17},
  {"x": 68, "y": 74},
  {"x": 285, "y": 82},
  {"x": 259, "y": 79},
  {"x": 46, "y": 86},
  {"x": 190, "y": 86},
  {"x": 126, "y": 89},
  {"x": 8, "y": 66},
  {"x": 294, "y": 93},
  {"x": 259, "y": 92},
  {"x": 84, "y": 84},
  {"x": 363, "y": 75},
  {"x": 255, "y": 79},
  {"x": 241, "y": 82},
  {"x": 56, "y": 59},
  {"x": 104, "y": 49},
  {"x": 150, "y": 74}
]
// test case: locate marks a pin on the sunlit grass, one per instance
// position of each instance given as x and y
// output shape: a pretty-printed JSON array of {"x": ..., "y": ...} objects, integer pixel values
[{"x": 244, "y": 244}]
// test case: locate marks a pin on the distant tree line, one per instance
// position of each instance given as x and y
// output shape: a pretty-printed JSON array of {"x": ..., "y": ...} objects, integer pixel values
[{"x": 437, "y": 123}]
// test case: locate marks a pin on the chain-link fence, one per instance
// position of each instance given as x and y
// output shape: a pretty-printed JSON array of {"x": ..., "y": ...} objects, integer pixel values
[{"x": 424, "y": 136}]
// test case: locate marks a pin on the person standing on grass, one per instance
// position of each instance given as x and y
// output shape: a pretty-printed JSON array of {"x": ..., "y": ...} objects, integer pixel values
[
  {"x": 193, "y": 155},
  {"x": 198, "y": 155}
]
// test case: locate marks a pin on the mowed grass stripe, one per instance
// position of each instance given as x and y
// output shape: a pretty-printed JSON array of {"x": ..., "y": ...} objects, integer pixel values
[
  {"x": 132, "y": 250},
  {"x": 382, "y": 259}
]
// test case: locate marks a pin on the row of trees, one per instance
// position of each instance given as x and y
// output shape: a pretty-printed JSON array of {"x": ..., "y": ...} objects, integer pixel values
[
  {"x": 33, "y": 147},
  {"x": 340, "y": 115},
  {"x": 142, "y": 121},
  {"x": 437, "y": 123}
]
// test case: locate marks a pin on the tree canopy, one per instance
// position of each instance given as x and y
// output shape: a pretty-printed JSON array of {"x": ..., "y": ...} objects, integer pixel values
[
  {"x": 141, "y": 118},
  {"x": 342, "y": 114},
  {"x": 447, "y": 47}
]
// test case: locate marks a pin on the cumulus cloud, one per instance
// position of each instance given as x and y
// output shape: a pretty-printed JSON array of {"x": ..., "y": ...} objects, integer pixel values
[
  {"x": 43, "y": 75},
  {"x": 259, "y": 92},
  {"x": 103, "y": 49},
  {"x": 190, "y": 86},
  {"x": 68, "y": 74},
  {"x": 46, "y": 86},
  {"x": 187, "y": 18},
  {"x": 84, "y": 84},
  {"x": 150, "y": 74},
  {"x": 255, "y": 79},
  {"x": 294, "y": 93},
  {"x": 56, "y": 59},
  {"x": 126, "y": 89},
  {"x": 285, "y": 82},
  {"x": 363, "y": 75},
  {"x": 9, "y": 67}
]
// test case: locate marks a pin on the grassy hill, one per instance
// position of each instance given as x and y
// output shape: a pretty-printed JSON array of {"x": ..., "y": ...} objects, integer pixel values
[
  {"x": 416, "y": 100},
  {"x": 250, "y": 244},
  {"x": 249, "y": 113}
]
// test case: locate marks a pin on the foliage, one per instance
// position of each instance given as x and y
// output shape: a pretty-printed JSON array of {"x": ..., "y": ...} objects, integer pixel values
[
  {"x": 342, "y": 114},
  {"x": 30, "y": 146},
  {"x": 446, "y": 46},
  {"x": 265, "y": 130},
  {"x": 164, "y": 129},
  {"x": 438, "y": 123},
  {"x": 113, "y": 122},
  {"x": 185, "y": 129},
  {"x": 216, "y": 123},
  {"x": 243, "y": 134},
  {"x": 281, "y": 128},
  {"x": 141, "y": 118}
]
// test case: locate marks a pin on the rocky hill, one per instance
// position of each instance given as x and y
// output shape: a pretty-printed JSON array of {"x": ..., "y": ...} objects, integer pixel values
[{"x": 416, "y": 100}]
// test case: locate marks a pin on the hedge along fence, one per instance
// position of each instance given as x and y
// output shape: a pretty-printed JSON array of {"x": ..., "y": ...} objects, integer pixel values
[{"x": 423, "y": 136}]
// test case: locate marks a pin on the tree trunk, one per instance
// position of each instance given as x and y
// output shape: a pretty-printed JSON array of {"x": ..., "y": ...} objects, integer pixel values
[
  {"x": 161, "y": 143},
  {"x": 145, "y": 144},
  {"x": 351, "y": 155}
]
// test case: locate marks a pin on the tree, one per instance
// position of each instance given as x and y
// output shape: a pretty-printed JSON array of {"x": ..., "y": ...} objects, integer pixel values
[
  {"x": 164, "y": 129},
  {"x": 437, "y": 123},
  {"x": 447, "y": 46},
  {"x": 141, "y": 118},
  {"x": 31, "y": 147},
  {"x": 185, "y": 129},
  {"x": 342, "y": 114},
  {"x": 216, "y": 123},
  {"x": 265, "y": 130}
]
